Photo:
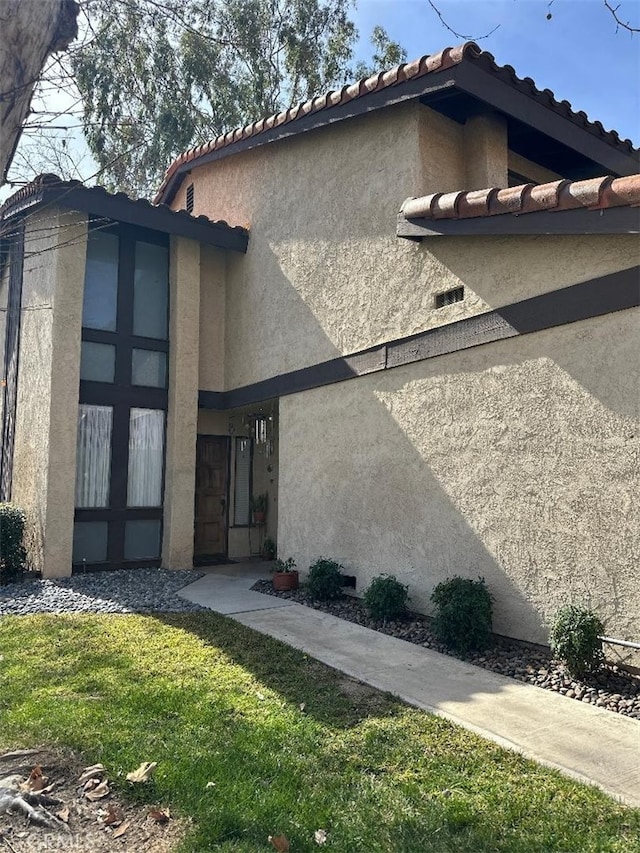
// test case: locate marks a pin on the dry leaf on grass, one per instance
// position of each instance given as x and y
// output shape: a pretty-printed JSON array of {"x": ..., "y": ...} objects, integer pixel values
[
  {"x": 91, "y": 772},
  {"x": 320, "y": 836},
  {"x": 121, "y": 829},
  {"x": 280, "y": 842},
  {"x": 99, "y": 792},
  {"x": 160, "y": 815},
  {"x": 36, "y": 781},
  {"x": 143, "y": 773},
  {"x": 302, "y": 706},
  {"x": 210, "y": 785}
]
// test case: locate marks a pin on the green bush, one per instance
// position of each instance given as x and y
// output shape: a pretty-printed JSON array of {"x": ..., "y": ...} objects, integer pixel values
[
  {"x": 385, "y": 597},
  {"x": 574, "y": 639},
  {"x": 463, "y": 613},
  {"x": 13, "y": 556},
  {"x": 325, "y": 579}
]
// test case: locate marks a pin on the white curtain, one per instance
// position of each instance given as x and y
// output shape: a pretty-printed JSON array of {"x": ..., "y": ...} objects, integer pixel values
[
  {"x": 93, "y": 459},
  {"x": 146, "y": 455}
]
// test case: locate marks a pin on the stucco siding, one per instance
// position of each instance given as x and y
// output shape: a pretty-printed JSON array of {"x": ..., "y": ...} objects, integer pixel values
[
  {"x": 48, "y": 386},
  {"x": 517, "y": 461},
  {"x": 212, "y": 319},
  {"x": 325, "y": 275}
]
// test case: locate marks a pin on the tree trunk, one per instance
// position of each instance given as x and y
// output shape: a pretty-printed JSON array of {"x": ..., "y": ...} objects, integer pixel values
[{"x": 30, "y": 30}]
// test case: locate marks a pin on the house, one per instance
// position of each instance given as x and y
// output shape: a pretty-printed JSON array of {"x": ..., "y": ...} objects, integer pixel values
[{"x": 452, "y": 389}]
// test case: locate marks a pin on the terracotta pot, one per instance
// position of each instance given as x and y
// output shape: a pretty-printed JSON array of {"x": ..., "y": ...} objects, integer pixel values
[
  {"x": 285, "y": 580},
  {"x": 259, "y": 517}
]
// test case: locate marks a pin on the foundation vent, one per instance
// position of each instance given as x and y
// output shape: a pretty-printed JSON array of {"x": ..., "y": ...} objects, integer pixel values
[
  {"x": 449, "y": 297},
  {"x": 190, "y": 198}
]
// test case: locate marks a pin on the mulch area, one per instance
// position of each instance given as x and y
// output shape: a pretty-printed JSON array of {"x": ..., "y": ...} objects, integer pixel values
[{"x": 613, "y": 687}]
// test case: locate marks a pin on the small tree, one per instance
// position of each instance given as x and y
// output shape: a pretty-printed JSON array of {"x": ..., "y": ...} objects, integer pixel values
[
  {"x": 12, "y": 553},
  {"x": 575, "y": 639},
  {"x": 463, "y": 613}
]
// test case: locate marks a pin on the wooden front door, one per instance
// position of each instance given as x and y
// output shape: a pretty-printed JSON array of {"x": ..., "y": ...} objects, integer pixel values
[{"x": 212, "y": 478}]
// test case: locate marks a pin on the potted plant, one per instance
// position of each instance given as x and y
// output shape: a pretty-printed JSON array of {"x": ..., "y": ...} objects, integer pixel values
[
  {"x": 259, "y": 507},
  {"x": 269, "y": 549},
  {"x": 285, "y": 574}
]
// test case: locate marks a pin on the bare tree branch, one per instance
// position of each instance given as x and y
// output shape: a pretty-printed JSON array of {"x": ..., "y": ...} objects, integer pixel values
[
  {"x": 454, "y": 32},
  {"x": 620, "y": 24}
]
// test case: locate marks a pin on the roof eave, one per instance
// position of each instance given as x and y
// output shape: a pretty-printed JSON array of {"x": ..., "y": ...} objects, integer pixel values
[
  {"x": 611, "y": 220},
  {"x": 118, "y": 207}
]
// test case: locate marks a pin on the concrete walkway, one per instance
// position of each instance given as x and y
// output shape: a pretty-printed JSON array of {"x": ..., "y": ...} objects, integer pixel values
[{"x": 587, "y": 743}]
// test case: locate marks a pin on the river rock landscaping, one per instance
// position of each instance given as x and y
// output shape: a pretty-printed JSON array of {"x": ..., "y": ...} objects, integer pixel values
[{"x": 611, "y": 687}]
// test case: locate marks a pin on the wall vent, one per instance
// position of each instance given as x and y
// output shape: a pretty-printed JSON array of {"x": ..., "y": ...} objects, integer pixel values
[
  {"x": 190, "y": 198},
  {"x": 449, "y": 297}
]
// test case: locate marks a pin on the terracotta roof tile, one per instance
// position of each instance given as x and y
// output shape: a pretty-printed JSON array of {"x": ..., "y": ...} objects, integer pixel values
[
  {"x": 595, "y": 194},
  {"x": 427, "y": 64}
]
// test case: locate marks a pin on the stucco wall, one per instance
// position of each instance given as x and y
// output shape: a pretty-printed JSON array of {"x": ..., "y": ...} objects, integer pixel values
[
  {"x": 517, "y": 461},
  {"x": 48, "y": 385},
  {"x": 182, "y": 415},
  {"x": 325, "y": 274},
  {"x": 212, "y": 313}
]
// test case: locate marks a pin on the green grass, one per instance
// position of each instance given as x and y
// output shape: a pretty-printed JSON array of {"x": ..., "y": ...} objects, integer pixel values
[{"x": 212, "y": 701}]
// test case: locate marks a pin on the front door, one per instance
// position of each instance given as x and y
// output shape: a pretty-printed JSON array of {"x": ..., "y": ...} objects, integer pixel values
[{"x": 212, "y": 478}]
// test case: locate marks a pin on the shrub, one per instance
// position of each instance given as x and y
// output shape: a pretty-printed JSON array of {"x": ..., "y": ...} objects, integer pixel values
[
  {"x": 12, "y": 553},
  {"x": 269, "y": 549},
  {"x": 284, "y": 566},
  {"x": 386, "y": 597},
  {"x": 574, "y": 639},
  {"x": 325, "y": 579},
  {"x": 463, "y": 613}
]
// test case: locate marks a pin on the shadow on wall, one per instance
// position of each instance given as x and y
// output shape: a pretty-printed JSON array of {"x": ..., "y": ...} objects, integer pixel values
[{"x": 496, "y": 461}]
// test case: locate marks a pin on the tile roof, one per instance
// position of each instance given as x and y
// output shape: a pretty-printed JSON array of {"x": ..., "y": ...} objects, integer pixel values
[
  {"x": 428, "y": 64},
  {"x": 51, "y": 189},
  {"x": 594, "y": 194}
]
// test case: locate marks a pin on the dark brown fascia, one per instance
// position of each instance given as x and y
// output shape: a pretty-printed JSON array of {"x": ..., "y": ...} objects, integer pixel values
[
  {"x": 610, "y": 220},
  {"x": 603, "y": 295},
  {"x": 120, "y": 208}
]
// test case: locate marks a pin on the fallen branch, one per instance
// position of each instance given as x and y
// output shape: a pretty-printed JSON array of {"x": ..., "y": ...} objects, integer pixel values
[{"x": 30, "y": 804}]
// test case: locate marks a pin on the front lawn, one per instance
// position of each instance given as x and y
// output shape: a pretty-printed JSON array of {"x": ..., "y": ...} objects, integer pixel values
[{"x": 290, "y": 745}]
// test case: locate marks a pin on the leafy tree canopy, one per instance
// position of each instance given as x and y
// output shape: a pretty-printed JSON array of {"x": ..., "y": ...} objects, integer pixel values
[{"x": 158, "y": 77}]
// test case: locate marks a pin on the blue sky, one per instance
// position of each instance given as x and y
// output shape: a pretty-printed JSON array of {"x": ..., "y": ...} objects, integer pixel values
[{"x": 577, "y": 54}]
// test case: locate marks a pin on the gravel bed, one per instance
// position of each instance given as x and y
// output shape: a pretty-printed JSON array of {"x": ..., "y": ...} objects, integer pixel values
[
  {"x": 121, "y": 591},
  {"x": 612, "y": 688}
]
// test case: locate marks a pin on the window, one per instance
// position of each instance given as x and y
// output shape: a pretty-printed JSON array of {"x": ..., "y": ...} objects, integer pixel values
[
  {"x": 99, "y": 308},
  {"x": 151, "y": 291},
  {"x": 93, "y": 456},
  {"x": 242, "y": 481},
  {"x": 146, "y": 455},
  {"x": 149, "y": 367},
  {"x": 97, "y": 362},
  {"x": 123, "y": 397}
]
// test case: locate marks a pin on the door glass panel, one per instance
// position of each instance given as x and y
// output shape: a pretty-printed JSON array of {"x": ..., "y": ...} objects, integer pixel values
[
  {"x": 141, "y": 540},
  {"x": 90, "y": 541},
  {"x": 97, "y": 362},
  {"x": 151, "y": 291},
  {"x": 146, "y": 456},
  {"x": 149, "y": 367},
  {"x": 101, "y": 282},
  {"x": 93, "y": 455}
]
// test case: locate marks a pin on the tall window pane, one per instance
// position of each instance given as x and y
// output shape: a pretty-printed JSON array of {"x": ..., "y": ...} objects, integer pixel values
[
  {"x": 151, "y": 291},
  {"x": 146, "y": 455},
  {"x": 101, "y": 282},
  {"x": 93, "y": 457}
]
